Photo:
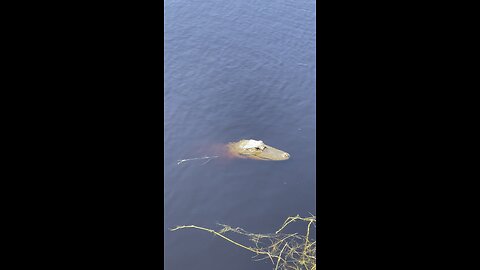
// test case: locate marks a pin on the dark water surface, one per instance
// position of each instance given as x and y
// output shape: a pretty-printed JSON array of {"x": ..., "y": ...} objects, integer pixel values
[{"x": 236, "y": 70}]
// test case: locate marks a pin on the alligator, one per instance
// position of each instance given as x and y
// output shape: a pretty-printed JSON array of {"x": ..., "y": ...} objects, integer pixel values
[
  {"x": 244, "y": 149},
  {"x": 255, "y": 150}
]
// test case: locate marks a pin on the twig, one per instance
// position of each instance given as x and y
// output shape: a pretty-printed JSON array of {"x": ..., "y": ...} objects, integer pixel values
[
  {"x": 280, "y": 255},
  {"x": 180, "y": 161},
  {"x": 297, "y": 253}
]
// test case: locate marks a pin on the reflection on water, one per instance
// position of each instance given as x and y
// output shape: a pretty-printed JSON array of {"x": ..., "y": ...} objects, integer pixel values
[{"x": 236, "y": 70}]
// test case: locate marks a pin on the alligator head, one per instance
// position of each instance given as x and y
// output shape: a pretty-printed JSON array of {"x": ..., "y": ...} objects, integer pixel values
[{"x": 256, "y": 150}]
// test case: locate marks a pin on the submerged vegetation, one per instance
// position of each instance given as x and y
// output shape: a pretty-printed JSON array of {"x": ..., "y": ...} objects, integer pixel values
[{"x": 285, "y": 251}]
